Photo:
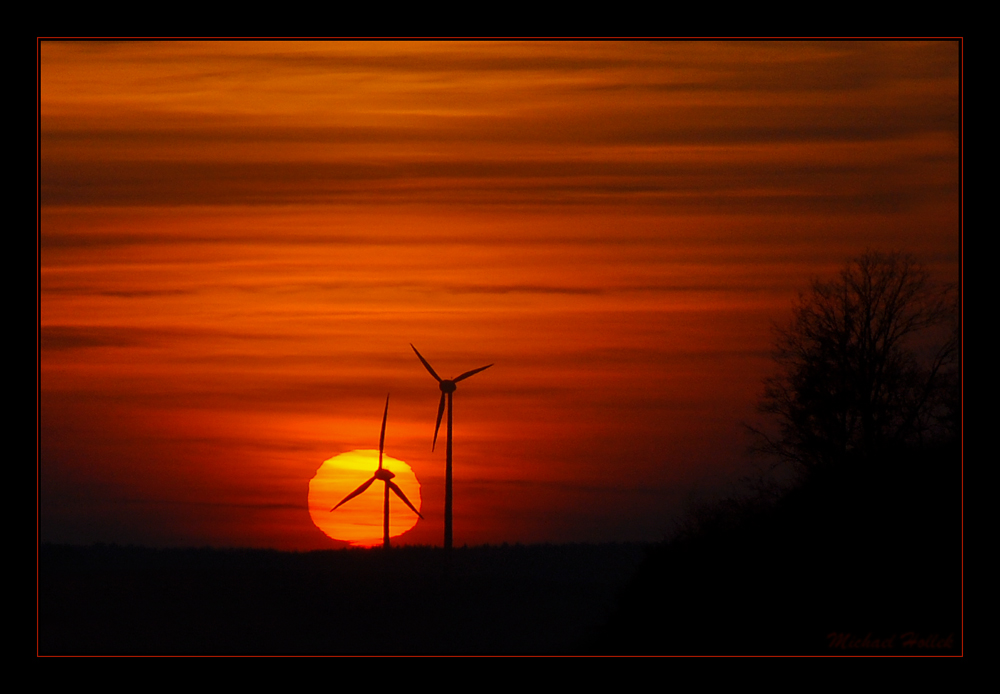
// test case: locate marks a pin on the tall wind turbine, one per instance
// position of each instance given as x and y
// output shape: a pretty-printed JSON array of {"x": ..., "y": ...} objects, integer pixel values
[
  {"x": 447, "y": 388},
  {"x": 385, "y": 476}
]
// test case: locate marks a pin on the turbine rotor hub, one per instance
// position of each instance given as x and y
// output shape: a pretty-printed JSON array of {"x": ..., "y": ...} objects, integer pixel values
[
  {"x": 448, "y": 386},
  {"x": 383, "y": 475}
]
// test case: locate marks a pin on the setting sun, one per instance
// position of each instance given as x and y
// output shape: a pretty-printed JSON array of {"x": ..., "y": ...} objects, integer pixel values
[{"x": 359, "y": 521}]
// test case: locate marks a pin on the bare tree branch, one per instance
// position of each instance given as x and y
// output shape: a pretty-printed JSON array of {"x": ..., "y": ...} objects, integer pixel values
[{"x": 854, "y": 374}]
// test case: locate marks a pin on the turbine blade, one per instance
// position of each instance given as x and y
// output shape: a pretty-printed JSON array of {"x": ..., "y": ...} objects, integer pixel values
[
  {"x": 470, "y": 373},
  {"x": 399, "y": 492},
  {"x": 438, "y": 425},
  {"x": 353, "y": 494},
  {"x": 426, "y": 365},
  {"x": 381, "y": 439}
]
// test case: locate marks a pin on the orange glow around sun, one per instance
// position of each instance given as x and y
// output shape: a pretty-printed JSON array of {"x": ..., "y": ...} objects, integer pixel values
[{"x": 359, "y": 521}]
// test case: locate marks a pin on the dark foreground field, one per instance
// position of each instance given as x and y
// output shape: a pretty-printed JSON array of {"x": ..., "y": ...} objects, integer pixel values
[{"x": 546, "y": 599}]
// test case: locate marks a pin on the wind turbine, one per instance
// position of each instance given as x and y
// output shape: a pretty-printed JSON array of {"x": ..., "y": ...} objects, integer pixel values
[
  {"x": 385, "y": 476},
  {"x": 447, "y": 388}
]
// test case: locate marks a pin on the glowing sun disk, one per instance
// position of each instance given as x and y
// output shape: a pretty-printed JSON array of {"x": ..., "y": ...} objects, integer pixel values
[{"x": 359, "y": 521}]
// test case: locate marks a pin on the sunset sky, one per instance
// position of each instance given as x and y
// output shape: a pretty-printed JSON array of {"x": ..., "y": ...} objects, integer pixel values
[{"x": 239, "y": 241}]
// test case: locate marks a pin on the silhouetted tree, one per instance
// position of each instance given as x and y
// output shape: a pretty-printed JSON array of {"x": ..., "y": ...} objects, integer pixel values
[{"x": 868, "y": 362}]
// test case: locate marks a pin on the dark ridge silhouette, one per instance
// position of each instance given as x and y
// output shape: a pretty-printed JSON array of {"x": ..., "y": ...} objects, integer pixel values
[
  {"x": 448, "y": 388},
  {"x": 535, "y": 599},
  {"x": 386, "y": 476},
  {"x": 864, "y": 553},
  {"x": 864, "y": 558}
]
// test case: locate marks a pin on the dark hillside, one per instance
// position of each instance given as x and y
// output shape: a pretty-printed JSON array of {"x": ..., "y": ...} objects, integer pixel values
[{"x": 861, "y": 558}]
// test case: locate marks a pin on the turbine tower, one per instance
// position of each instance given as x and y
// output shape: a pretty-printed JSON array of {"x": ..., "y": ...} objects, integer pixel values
[
  {"x": 386, "y": 476},
  {"x": 447, "y": 389}
]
